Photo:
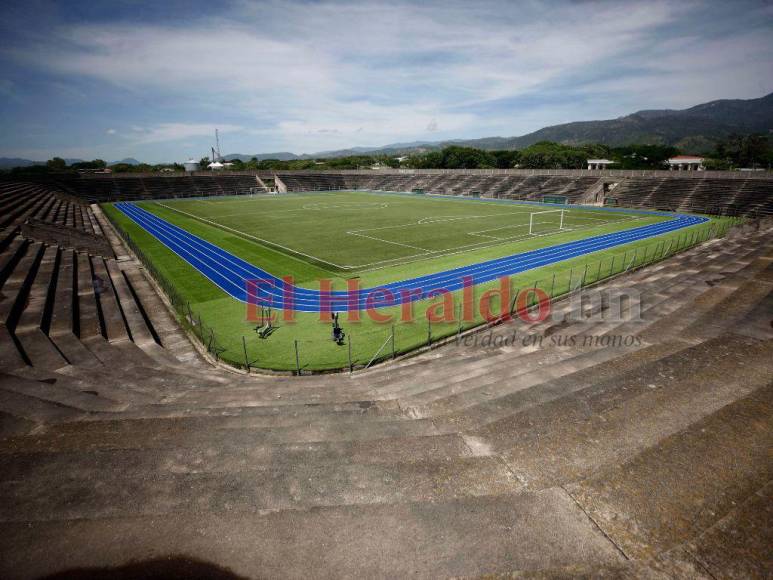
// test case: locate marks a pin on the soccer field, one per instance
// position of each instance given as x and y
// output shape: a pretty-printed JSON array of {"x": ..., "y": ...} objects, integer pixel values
[
  {"x": 357, "y": 232},
  {"x": 206, "y": 250}
]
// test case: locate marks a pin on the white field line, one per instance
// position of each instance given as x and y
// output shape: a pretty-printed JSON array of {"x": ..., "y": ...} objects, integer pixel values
[
  {"x": 270, "y": 243},
  {"x": 477, "y": 246},
  {"x": 390, "y": 242},
  {"x": 380, "y": 264}
]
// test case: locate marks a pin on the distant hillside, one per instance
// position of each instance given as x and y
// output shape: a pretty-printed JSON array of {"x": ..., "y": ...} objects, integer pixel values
[
  {"x": 9, "y": 162},
  {"x": 282, "y": 156},
  {"x": 127, "y": 161},
  {"x": 695, "y": 130}
]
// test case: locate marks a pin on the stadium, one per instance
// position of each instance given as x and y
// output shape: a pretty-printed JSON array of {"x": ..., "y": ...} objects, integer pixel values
[{"x": 215, "y": 371}]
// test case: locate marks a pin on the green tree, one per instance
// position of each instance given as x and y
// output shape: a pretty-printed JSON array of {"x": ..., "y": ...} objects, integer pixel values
[{"x": 56, "y": 164}]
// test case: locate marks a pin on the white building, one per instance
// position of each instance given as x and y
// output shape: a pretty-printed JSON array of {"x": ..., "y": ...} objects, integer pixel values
[
  {"x": 217, "y": 165},
  {"x": 599, "y": 163},
  {"x": 686, "y": 163}
]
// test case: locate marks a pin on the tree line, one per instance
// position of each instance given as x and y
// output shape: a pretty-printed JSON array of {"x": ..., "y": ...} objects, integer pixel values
[{"x": 735, "y": 151}]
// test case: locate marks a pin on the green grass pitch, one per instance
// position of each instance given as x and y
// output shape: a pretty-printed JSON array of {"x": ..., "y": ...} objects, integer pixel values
[{"x": 376, "y": 237}]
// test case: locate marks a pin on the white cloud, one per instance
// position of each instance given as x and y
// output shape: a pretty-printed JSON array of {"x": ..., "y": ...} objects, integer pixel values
[
  {"x": 308, "y": 76},
  {"x": 111, "y": 132},
  {"x": 177, "y": 131}
]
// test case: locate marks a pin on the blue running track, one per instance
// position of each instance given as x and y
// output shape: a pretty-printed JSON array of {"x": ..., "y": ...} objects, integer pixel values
[{"x": 231, "y": 274}]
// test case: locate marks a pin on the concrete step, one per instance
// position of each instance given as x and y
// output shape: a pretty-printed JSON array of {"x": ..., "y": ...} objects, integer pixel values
[
  {"x": 744, "y": 298},
  {"x": 74, "y": 350},
  {"x": 186, "y": 432},
  {"x": 140, "y": 334},
  {"x": 758, "y": 322},
  {"x": 252, "y": 489},
  {"x": 499, "y": 384},
  {"x": 265, "y": 414},
  {"x": 52, "y": 393},
  {"x": 169, "y": 332},
  {"x": 72, "y": 378},
  {"x": 674, "y": 491},
  {"x": 531, "y": 532},
  {"x": 738, "y": 545},
  {"x": 615, "y": 418},
  {"x": 12, "y": 426},
  {"x": 36, "y": 410},
  {"x": 225, "y": 455},
  {"x": 476, "y": 417},
  {"x": 40, "y": 350},
  {"x": 17, "y": 285},
  {"x": 10, "y": 355}
]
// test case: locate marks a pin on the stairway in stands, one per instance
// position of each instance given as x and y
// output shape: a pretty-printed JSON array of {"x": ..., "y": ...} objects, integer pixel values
[{"x": 576, "y": 457}]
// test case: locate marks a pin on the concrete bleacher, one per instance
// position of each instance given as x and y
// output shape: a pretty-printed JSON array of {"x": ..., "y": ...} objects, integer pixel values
[
  {"x": 701, "y": 195},
  {"x": 730, "y": 195},
  {"x": 119, "y": 444},
  {"x": 128, "y": 188},
  {"x": 49, "y": 207},
  {"x": 531, "y": 188}
]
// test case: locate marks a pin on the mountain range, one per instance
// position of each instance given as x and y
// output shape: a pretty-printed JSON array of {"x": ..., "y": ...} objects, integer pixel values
[
  {"x": 694, "y": 130},
  {"x": 9, "y": 162}
]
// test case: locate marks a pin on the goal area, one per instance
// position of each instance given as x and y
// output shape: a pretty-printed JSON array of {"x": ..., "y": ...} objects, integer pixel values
[{"x": 547, "y": 221}]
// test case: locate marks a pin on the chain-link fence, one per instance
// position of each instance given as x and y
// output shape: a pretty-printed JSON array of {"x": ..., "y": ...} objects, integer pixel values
[{"x": 301, "y": 351}]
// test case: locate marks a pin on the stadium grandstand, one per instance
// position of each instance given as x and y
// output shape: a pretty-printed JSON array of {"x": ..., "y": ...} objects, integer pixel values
[
  {"x": 125, "y": 439},
  {"x": 713, "y": 192}
]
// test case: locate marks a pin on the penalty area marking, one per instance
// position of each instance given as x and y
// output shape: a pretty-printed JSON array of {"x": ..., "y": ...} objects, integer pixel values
[{"x": 380, "y": 264}]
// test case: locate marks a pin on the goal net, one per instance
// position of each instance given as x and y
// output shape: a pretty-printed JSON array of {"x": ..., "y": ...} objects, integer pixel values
[
  {"x": 543, "y": 222},
  {"x": 262, "y": 191}
]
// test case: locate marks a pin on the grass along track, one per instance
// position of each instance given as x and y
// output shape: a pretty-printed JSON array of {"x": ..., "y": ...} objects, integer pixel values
[{"x": 226, "y": 316}]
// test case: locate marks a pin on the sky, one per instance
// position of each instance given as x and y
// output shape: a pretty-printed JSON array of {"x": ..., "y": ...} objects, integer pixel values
[{"x": 152, "y": 80}]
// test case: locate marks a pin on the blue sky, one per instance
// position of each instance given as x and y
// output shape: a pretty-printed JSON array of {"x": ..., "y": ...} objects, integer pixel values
[{"x": 152, "y": 80}]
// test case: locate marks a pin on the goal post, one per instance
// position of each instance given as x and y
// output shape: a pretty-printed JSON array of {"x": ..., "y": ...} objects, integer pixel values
[
  {"x": 262, "y": 191},
  {"x": 536, "y": 216}
]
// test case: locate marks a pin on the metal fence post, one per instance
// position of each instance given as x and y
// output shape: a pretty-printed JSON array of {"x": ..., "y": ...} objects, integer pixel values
[
  {"x": 394, "y": 352},
  {"x": 552, "y": 286},
  {"x": 349, "y": 344},
  {"x": 515, "y": 299},
  {"x": 297, "y": 358},
  {"x": 429, "y": 332},
  {"x": 246, "y": 360}
]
